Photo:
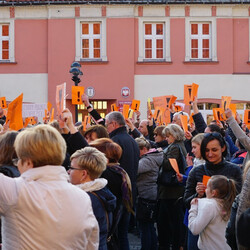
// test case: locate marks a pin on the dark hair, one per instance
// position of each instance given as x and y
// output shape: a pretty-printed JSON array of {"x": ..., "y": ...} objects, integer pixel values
[
  {"x": 100, "y": 131},
  {"x": 7, "y": 150},
  {"x": 226, "y": 192},
  {"x": 112, "y": 150},
  {"x": 210, "y": 137},
  {"x": 216, "y": 128},
  {"x": 159, "y": 129}
]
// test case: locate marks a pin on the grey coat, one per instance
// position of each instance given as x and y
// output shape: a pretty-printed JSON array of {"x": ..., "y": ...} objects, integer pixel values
[{"x": 147, "y": 176}]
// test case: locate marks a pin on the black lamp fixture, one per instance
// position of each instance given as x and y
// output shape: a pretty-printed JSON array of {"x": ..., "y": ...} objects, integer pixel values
[{"x": 76, "y": 72}]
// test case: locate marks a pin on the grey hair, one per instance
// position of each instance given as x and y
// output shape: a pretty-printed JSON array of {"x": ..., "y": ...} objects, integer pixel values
[
  {"x": 181, "y": 113},
  {"x": 142, "y": 143},
  {"x": 174, "y": 130},
  {"x": 116, "y": 117}
]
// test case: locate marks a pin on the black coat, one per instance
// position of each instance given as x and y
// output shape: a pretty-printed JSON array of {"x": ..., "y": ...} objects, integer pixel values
[
  {"x": 130, "y": 153},
  {"x": 225, "y": 168}
]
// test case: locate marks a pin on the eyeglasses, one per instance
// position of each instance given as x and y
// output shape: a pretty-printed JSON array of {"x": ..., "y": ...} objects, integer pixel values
[
  {"x": 15, "y": 161},
  {"x": 213, "y": 134},
  {"x": 71, "y": 168}
]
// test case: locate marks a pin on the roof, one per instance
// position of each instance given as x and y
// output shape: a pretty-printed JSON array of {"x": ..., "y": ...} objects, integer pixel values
[{"x": 137, "y": 2}]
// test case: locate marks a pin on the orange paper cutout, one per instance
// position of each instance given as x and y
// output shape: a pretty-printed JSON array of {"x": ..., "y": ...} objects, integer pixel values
[
  {"x": 194, "y": 91},
  {"x": 217, "y": 112},
  {"x": 188, "y": 94},
  {"x": 166, "y": 118},
  {"x": 191, "y": 119},
  {"x": 114, "y": 107},
  {"x": 205, "y": 179},
  {"x": 86, "y": 121},
  {"x": 3, "y": 102},
  {"x": 49, "y": 106},
  {"x": 174, "y": 165},
  {"x": 247, "y": 116},
  {"x": 60, "y": 98},
  {"x": 184, "y": 122},
  {"x": 52, "y": 115},
  {"x": 135, "y": 105},
  {"x": 225, "y": 102},
  {"x": 149, "y": 107},
  {"x": 130, "y": 113},
  {"x": 232, "y": 106},
  {"x": 77, "y": 92},
  {"x": 164, "y": 101},
  {"x": 14, "y": 114},
  {"x": 177, "y": 108},
  {"x": 125, "y": 111},
  {"x": 157, "y": 114}
]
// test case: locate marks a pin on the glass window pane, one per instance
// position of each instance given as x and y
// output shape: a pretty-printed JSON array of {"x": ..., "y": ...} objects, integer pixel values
[
  {"x": 205, "y": 53},
  {"x": 148, "y": 43},
  {"x": 5, "y": 30},
  {"x": 148, "y": 29},
  {"x": 159, "y": 43},
  {"x": 79, "y": 116},
  {"x": 99, "y": 105},
  {"x": 194, "y": 28},
  {"x": 85, "y": 28},
  {"x": 159, "y": 53},
  {"x": 85, "y": 43},
  {"x": 96, "y": 27},
  {"x": 194, "y": 43},
  {"x": 85, "y": 53},
  {"x": 97, "y": 53},
  {"x": 102, "y": 115},
  {"x": 205, "y": 43},
  {"x": 5, "y": 44},
  {"x": 104, "y": 105},
  {"x": 205, "y": 29},
  {"x": 5, "y": 55},
  {"x": 95, "y": 105},
  {"x": 159, "y": 29},
  {"x": 96, "y": 43},
  {"x": 194, "y": 53},
  {"x": 148, "y": 53}
]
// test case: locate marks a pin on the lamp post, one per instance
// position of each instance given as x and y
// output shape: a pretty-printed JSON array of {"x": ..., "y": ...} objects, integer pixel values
[{"x": 75, "y": 71}]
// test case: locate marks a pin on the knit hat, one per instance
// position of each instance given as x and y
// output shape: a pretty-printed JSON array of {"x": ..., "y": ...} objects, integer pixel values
[{"x": 243, "y": 229}]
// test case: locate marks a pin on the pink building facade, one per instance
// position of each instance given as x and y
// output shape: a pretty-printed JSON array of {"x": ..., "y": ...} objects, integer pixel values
[{"x": 127, "y": 51}]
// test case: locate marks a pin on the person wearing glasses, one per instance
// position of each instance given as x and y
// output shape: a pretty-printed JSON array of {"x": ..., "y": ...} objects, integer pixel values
[
  {"x": 87, "y": 165},
  {"x": 41, "y": 209},
  {"x": 213, "y": 151}
]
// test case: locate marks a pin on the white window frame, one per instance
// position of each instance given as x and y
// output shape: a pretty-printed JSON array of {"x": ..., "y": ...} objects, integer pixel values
[
  {"x": 166, "y": 40},
  {"x": 103, "y": 48},
  {"x": 11, "y": 40},
  {"x": 212, "y": 42}
]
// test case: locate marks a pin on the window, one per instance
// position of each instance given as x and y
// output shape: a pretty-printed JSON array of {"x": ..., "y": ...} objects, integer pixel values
[
  {"x": 200, "y": 41},
  {"x": 7, "y": 42},
  {"x": 154, "y": 40},
  {"x": 91, "y": 40}
]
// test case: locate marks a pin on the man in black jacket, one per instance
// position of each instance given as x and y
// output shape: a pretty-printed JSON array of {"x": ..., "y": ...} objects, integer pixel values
[{"x": 117, "y": 130}]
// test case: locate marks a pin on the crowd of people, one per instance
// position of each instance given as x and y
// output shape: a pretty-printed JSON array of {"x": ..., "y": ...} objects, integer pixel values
[{"x": 62, "y": 187}]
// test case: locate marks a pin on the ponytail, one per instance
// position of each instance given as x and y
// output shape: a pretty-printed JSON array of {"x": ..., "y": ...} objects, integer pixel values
[{"x": 226, "y": 193}]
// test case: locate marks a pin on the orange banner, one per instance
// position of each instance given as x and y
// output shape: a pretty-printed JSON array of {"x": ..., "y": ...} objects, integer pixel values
[
  {"x": 86, "y": 121},
  {"x": 77, "y": 92},
  {"x": 158, "y": 115},
  {"x": 3, "y": 102},
  {"x": 14, "y": 114},
  {"x": 166, "y": 119}
]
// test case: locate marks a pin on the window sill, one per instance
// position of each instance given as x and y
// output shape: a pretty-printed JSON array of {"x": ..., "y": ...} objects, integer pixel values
[
  {"x": 93, "y": 62},
  {"x": 7, "y": 62},
  {"x": 152, "y": 62},
  {"x": 201, "y": 62}
]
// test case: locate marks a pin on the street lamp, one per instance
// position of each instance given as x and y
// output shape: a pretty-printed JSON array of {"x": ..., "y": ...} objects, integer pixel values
[{"x": 75, "y": 71}]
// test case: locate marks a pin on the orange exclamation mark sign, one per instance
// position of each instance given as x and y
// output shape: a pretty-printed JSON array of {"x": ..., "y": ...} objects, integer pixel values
[
  {"x": 2, "y": 103},
  {"x": 190, "y": 94},
  {"x": 167, "y": 99},
  {"x": 248, "y": 116},
  {"x": 136, "y": 105}
]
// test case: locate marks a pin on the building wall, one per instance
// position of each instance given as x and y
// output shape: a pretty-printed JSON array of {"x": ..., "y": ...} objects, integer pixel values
[{"x": 45, "y": 47}]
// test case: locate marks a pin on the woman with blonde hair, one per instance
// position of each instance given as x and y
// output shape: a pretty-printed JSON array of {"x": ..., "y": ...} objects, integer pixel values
[{"x": 40, "y": 209}]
